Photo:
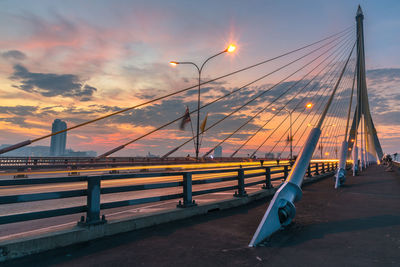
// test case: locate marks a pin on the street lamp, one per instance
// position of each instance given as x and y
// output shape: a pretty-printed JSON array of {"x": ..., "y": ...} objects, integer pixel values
[
  {"x": 229, "y": 49},
  {"x": 308, "y": 105}
]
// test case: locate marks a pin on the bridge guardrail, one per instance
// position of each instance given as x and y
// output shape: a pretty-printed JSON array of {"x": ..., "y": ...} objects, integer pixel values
[
  {"x": 24, "y": 163},
  {"x": 94, "y": 190}
]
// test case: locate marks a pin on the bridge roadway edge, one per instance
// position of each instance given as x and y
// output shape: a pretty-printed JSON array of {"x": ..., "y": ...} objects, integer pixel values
[{"x": 21, "y": 247}]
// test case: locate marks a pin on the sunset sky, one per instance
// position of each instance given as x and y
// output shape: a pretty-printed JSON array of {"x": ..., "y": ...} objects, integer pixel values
[{"x": 77, "y": 60}]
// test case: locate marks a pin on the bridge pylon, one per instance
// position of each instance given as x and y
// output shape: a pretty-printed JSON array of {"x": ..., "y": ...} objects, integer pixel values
[{"x": 370, "y": 146}]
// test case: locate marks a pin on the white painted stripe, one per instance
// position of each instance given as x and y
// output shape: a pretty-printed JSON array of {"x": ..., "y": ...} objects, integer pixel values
[{"x": 37, "y": 230}]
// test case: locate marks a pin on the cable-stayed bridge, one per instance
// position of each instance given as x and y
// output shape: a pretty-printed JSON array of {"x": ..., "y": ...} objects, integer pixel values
[{"x": 312, "y": 111}]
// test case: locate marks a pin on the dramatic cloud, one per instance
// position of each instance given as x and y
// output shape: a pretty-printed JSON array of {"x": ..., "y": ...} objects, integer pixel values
[
  {"x": 50, "y": 84},
  {"x": 18, "y": 110},
  {"x": 13, "y": 54},
  {"x": 383, "y": 74}
]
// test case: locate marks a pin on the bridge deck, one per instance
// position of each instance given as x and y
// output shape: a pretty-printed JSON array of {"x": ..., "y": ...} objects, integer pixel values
[{"x": 358, "y": 225}]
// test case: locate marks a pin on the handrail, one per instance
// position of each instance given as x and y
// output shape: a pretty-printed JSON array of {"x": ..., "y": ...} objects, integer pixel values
[
  {"x": 184, "y": 179},
  {"x": 56, "y": 162}
]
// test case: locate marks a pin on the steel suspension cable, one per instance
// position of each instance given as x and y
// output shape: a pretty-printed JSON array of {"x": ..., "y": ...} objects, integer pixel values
[
  {"x": 311, "y": 121},
  {"x": 224, "y": 96},
  {"x": 27, "y": 142},
  {"x": 260, "y": 146},
  {"x": 248, "y": 102},
  {"x": 350, "y": 103},
  {"x": 340, "y": 118},
  {"x": 281, "y": 95},
  {"x": 333, "y": 115},
  {"x": 331, "y": 122},
  {"x": 259, "y": 129},
  {"x": 304, "y": 119}
]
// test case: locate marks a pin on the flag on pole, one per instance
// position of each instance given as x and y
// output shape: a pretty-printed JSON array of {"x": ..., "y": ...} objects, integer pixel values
[
  {"x": 203, "y": 124},
  {"x": 185, "y": 119},
  {"x": 288, "y": 139}
]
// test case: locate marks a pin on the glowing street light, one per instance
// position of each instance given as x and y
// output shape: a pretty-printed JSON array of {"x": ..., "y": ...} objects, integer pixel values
[{"x": 229, "y": 49}]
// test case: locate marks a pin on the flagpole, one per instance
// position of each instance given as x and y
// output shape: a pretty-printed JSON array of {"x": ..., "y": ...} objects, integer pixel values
[
  {"x": 191, "y": 126},
  {"x": 203, "y": 126}
]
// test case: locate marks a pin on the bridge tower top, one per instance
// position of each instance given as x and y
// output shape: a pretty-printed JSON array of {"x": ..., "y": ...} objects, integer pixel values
[
  {"x": 359, "y": 13},
  {"x": 362, "y": 116}
]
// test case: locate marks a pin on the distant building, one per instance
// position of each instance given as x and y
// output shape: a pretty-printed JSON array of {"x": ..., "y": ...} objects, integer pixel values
[
  {"x": 58, "y": 141},
  {"x": 269, "y": 155},
  {"x": 218, "y": 152}
]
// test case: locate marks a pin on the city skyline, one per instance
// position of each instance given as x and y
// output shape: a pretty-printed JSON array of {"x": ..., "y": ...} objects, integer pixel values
[{"x": 60, "y": 61}]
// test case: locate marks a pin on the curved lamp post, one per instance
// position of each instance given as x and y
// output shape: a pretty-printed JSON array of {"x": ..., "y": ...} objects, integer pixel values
[{"x": 229, "y": 49}]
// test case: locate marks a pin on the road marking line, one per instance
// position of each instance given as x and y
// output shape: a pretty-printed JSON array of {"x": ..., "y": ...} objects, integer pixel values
[
  {"x": 144, "y": 207},
  {"x": 37, "y": 230}
]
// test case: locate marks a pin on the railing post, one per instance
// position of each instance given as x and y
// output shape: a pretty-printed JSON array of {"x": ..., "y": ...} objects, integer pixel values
[
  {"x": 316, "y": 168},
  {"x": 268, "y": 184},
  {"x": 309, "y": 170},
  {"x": 93, "y": 203},
  {"x": 285, "y": 171},
  {"x": 323, "y": 167},
  {"x": 241, "y": 192},
  {"x": 187, "y": 192},
  {"x": 328, "y": 167}
]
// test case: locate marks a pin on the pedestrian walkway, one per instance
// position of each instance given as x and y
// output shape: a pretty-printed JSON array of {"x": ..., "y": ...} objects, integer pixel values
[{"x": 357, "y": 225}]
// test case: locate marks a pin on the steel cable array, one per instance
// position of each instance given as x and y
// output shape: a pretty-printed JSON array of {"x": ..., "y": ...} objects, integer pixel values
[
  {"x": 281, "y": 95},
  {"x": 343, "y": 53},
  {"x": 210, "y": 103},
  {"x": 337, "y": 36},
  {"x": 253, "y": 99},
  {"x": 315, "y": 116}
]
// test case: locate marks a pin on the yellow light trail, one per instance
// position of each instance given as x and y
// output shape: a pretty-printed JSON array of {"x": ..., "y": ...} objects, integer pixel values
[{"x": 182, "y": 166}]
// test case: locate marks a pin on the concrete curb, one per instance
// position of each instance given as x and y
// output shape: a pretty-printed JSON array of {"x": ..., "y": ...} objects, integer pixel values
[{"x": 12, "y": 249}]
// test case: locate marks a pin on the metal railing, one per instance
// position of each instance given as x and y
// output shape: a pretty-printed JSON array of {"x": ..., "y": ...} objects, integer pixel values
[
  {"x": 94, "y": 190},
  {"x": 25, "y": 163}
]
